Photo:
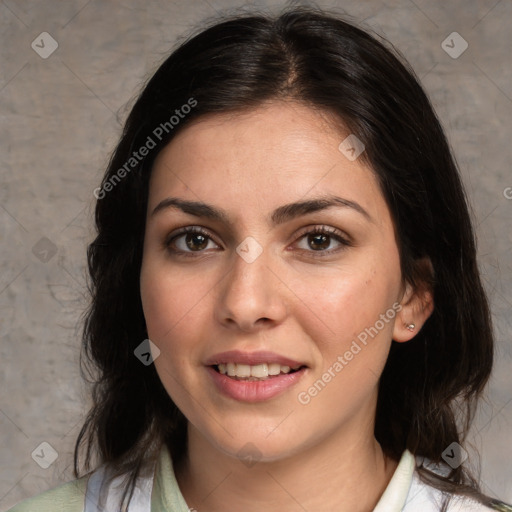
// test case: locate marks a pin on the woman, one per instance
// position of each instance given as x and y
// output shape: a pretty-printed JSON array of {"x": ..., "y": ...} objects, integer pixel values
[{"x": 283, "y": 219}]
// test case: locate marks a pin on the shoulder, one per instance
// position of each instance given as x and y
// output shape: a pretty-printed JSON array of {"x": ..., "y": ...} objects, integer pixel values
[
  {"x": 68, "y": 497},
  {"x": 423, "y": 497}
]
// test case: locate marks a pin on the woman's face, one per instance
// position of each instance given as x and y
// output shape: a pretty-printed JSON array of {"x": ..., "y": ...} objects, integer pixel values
[{"x": 295, "y": 265}]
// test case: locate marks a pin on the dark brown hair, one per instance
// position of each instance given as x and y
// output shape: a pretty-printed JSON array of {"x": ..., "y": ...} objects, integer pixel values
[{"x": 430, "y": 385}]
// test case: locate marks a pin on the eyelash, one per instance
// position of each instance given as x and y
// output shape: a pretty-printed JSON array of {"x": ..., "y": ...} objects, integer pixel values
[{"x": 317, "y": 230}]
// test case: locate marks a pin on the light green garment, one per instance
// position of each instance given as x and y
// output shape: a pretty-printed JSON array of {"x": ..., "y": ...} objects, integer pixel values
[
  {"x": 166, "y": 493},
  {"x": 70, "y": 497},
  {"x": 67, "y": 497}
]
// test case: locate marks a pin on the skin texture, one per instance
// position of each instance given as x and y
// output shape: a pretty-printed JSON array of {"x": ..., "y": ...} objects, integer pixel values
[{"x": 294, "y": 299}]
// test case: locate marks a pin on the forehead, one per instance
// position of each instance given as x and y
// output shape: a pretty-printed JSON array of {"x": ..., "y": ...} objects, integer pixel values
[{"x": 260, "y": 159}]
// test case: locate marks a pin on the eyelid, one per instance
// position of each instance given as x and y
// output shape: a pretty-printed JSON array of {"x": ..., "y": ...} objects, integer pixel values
[{"x": 328, "y": 230}]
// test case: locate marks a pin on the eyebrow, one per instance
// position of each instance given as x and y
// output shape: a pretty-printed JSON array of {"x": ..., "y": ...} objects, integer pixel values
[{"x": 280, "y": 215}]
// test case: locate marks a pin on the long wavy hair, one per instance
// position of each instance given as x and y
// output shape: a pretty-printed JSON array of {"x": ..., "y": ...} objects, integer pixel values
[{"x": 430, "y": 386}]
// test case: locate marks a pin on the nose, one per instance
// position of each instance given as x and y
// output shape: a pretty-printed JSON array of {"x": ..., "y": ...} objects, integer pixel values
[{"x": 252, "y": 295}]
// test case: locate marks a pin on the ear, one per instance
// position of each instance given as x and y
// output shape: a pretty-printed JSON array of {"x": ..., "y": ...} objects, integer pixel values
[{"x": 417, "y": 304}]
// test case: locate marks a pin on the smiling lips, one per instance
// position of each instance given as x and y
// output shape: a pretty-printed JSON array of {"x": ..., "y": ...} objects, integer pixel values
[{"x": 253, "y": 377}]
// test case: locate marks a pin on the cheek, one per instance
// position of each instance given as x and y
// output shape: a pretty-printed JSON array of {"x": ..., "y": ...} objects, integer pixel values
[
  {"x": 351, "y": 339},
  {"x": 339, "y": 306},
  {"x": 168, "y": 301},
  {"x": 172, "y": 303},
  {"x": 158, "y": 303}
]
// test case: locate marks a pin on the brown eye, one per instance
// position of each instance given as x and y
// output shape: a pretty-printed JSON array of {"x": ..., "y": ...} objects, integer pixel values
[
  {"x": 319, "y": 240},
  {"x": 189, "y": 240}
]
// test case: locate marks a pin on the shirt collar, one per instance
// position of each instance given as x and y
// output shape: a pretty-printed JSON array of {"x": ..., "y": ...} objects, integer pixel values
[
  {"x": 166, "y": 493},
  {"x": 394, "y": 497}
]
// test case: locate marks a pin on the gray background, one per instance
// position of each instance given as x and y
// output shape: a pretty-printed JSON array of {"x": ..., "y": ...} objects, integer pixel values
[{"x": 60, "y": 118}]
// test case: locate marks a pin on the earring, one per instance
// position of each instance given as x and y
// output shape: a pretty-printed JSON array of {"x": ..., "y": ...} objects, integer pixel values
[{"x": 411, "y": 327}]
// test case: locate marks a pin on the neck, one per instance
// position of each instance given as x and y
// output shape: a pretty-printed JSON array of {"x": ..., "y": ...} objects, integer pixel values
[{"x": 343, "y": 473}]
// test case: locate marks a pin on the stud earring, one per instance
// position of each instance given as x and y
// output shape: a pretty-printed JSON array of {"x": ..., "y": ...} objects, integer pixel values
[{"x": 411, "y": 327}]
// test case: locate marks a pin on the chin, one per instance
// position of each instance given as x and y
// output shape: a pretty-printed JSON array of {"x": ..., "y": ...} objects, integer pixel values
[{"x": 255, "y": 445}]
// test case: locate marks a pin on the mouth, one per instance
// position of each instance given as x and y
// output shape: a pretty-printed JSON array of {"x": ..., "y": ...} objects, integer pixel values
[
  {"x": 254, "y": 376},
  {"x": 258, "y": 372}
]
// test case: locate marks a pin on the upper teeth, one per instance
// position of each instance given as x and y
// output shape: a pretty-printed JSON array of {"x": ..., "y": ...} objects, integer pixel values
[{"x": 258, "y": 370}]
